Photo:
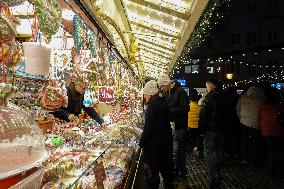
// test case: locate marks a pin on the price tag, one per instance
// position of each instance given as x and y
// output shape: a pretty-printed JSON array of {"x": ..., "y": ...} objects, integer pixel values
[{"x": 100, "y": 174}]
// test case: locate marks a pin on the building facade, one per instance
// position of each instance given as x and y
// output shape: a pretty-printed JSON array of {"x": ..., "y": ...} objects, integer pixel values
[{"x": 247, "y": 43}]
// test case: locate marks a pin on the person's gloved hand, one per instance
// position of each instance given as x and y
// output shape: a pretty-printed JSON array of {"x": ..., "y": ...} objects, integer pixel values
[
  {"x": 103, "y": 125},
  {"x": 72, "y": 117}
]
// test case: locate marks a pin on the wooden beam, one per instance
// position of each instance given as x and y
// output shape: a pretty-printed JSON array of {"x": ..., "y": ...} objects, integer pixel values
[
  {"x": 162, "y": 9},
  {"x": 155, "y": 44},
  {"x": 152, "y": 58},
  {"x": 164, "y": 52},
  {"x": 156, "y": 53},
  {"x": 153, "y": 30}
]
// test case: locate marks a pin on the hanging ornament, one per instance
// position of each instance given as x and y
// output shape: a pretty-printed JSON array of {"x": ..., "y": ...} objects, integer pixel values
[{"x": 49, "y": 16}]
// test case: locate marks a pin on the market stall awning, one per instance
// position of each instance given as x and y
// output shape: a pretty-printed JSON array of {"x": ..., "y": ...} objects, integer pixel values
[{"x": 151, "y": 32}]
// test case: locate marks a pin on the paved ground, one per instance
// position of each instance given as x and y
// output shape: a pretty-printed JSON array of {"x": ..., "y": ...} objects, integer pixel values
[{"x": 234, "y": 176}]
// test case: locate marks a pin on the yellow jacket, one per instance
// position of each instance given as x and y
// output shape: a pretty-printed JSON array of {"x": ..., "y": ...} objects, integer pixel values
[{"x": 193, "y": 115}]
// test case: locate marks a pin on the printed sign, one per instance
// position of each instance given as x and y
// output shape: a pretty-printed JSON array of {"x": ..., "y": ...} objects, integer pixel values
[{"x": 106, "y": 95}]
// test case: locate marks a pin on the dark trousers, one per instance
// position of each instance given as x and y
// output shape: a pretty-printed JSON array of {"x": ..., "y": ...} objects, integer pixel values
[
  {"x": 213, "y": 152},
  {"x": 233, "y": 139},
  {"x": 275, "y": 154},
  {"x": 180, "y": 152},
  {"x": 250, "y": 144},
  {"x": 195, "y": 137},
  {"x": 167, "y": 175}
]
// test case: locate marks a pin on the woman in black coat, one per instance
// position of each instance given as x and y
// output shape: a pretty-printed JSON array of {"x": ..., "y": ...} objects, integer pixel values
[{"x": 156, "y": 139}]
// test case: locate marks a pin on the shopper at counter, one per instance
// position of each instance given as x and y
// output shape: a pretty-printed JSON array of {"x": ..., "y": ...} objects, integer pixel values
[
  {"x": 75, "y": 93},
  {"x": 156, "y": 139},
  {"x": 211, "y": 123},
  {"x": 178, "y": 104}
]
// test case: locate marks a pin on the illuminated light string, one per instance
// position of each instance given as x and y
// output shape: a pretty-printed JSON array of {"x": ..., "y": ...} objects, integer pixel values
[
  {"x": 231, "y": 58},
  {"x": 277, "y": 76},
  {"x": 211, "y": 17}
]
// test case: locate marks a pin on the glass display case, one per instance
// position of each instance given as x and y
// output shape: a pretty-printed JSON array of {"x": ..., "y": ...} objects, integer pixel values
[{"x": 21, "y": 142}]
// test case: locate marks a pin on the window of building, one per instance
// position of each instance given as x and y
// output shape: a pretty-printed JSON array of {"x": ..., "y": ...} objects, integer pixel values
[
  {"x": 272, "y": 36},
  {"x": 252, "y": 70},
  {"x": 251, "y": 7},
  {"x": 187, "y": 69},
  {"x": 210, "y": 43},
  {"x": 272, "y": 62},
  {"x": 191, "y": 69},
  {"x": 251, "y": 38},
  {"x": 235, "y": 38},
  {"x": 273, "y": 4},
  {"x": 193, "y": 61},
  {"x": 210, "y": 70}
]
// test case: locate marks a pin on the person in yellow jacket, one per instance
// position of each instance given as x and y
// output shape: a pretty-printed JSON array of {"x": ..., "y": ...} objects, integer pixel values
[{"x": 193, "y": 118}]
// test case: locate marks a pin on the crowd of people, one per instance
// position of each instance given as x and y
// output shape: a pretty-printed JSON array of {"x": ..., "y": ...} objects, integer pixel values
[{"x": 221, "y": 123}]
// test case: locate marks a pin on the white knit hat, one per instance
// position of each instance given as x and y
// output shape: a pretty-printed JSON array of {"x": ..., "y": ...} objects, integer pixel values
[
  {"x": 151, "y": 88},
  {"x": 163, "y": 80}
]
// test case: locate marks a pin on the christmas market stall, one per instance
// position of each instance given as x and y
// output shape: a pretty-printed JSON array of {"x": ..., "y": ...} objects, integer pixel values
[{"x": 46, "y": 45}]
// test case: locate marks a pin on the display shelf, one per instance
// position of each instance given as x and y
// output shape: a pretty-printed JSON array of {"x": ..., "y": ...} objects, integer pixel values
[
  {"x": 131, "y": 175},
  {"x": 92, "y": 164}
]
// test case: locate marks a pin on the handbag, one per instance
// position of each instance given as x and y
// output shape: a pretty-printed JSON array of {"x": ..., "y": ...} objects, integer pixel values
[{"x": 52, "y": 96}]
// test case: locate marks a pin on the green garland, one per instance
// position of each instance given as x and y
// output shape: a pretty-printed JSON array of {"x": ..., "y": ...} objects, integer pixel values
[
  {"x": 49, "y": 16},
  {"x": 212, "y": 14}
]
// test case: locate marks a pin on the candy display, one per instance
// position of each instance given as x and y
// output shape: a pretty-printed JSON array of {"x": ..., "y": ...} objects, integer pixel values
[
  {"x": 39, "y": 149},
  {"x": 22, "y": 145}
]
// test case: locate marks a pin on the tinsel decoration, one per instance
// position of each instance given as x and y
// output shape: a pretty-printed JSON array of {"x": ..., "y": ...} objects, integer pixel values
[
  {"x": 80, "y": 32},
  {"x": 93, "y": 40}
]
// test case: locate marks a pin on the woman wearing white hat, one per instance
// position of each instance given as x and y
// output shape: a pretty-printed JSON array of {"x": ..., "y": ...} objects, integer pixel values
[{"x": 156, "y": 139}]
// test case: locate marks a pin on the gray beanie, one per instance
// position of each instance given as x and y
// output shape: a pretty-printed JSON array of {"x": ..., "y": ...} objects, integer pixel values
[
  {"x": 163, "y": 80},
  {"x": 151, "y": 88}
]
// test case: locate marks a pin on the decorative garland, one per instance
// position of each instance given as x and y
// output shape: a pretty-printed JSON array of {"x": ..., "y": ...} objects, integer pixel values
[
  {"x": 92, "y": 39},
  {"x": 109, "y": 20},
  {"x": 11, "y": 3},
  {"x": 80, "y": 32},
  {"x": 49, "y": 16},
  {"x": 210, "y": 17}
]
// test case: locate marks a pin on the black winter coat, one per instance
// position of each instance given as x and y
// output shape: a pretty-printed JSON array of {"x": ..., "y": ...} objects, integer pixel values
[
  {"x": 178, "y": 103},
  {"x": 75, "y": 106},
  {"x": 156, "y": 139},
  {"x": 212, "y": 113}
]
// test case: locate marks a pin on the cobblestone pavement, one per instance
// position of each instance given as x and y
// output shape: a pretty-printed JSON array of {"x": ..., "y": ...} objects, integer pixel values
[{"x": 234, "y": 176}]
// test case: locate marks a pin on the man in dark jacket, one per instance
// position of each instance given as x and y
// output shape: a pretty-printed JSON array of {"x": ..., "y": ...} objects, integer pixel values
[
  {"x": 75, "y": 93},
  {"x": 156, "y": 139},
  {"x": 211, "y": 123},
  {"x": 178, "y": 104}
]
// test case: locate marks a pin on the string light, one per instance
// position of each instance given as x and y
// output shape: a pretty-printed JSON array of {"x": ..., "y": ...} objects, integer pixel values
[
  {"x": 277, "y": 76},
  {"x": 206, "y": 23}
]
